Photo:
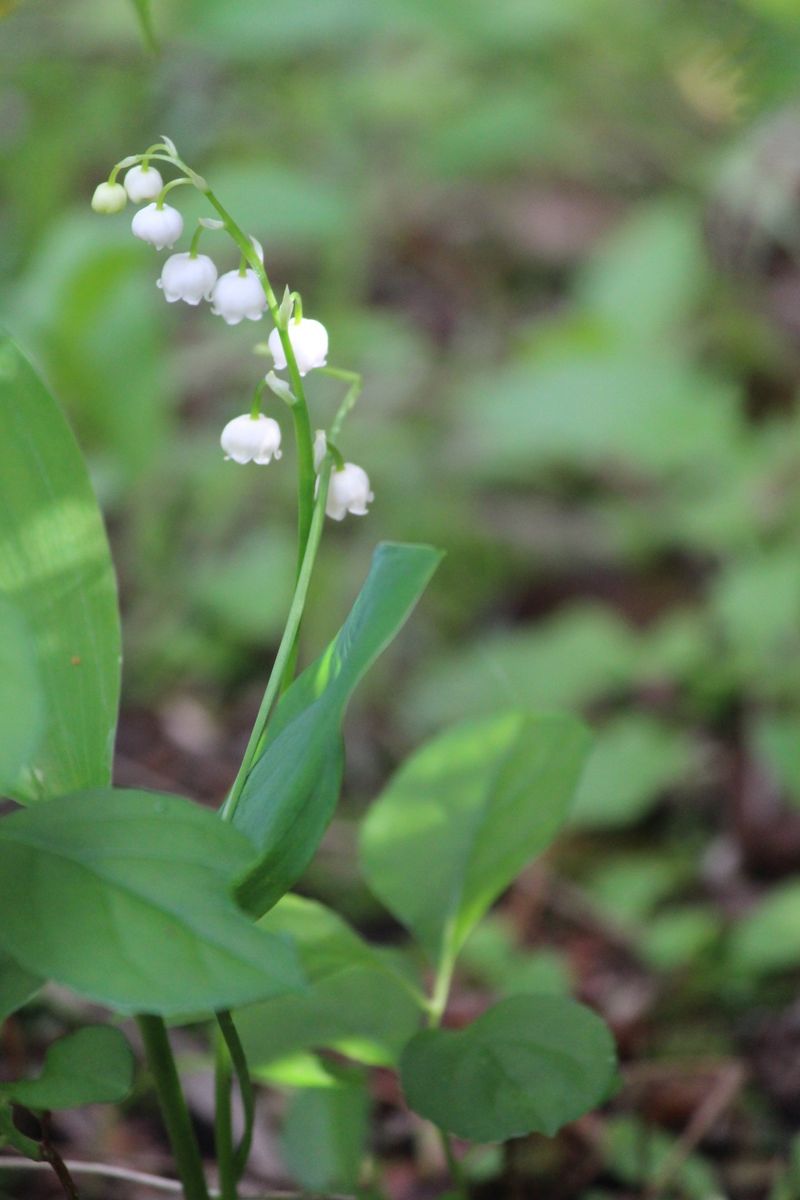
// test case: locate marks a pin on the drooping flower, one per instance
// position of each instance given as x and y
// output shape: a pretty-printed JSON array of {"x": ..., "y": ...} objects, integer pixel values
[
  {"x": 109, "y": 198},
  {"x": 251, "y": 439},
  {"x": 159, "y": 226},
  {"x": 187, "y": 277},
  {"x": 309, "y": 340},
  {"x": 237, "y": 296},
  {"x": 348, "y": 492},
  {"x": 143, "y": 183}
]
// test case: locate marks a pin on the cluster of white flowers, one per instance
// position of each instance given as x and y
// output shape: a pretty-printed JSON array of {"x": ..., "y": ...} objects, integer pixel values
[{"x": 235, "y": 296}]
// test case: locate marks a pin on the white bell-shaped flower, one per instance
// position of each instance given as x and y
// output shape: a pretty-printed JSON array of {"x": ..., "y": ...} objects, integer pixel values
[
  {"x": 187, "y": 277},
  {"x": 348, "y": 492},
  {"x": 251, "y": 439},
  {"x": 109, "y": 198},
  {"x": 143, "y": 183},
  {"x": 237, "y": 296},
  {"x": 159, "y": 226},
  {"x": 309, "y": 341}
]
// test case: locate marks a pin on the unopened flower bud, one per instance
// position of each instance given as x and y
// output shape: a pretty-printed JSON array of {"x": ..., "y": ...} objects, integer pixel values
[
  {"x": 188, "y": 278},
  {"x": 348, "y": 492},
  {"x": 309, "y": 341},
  {"x": 109, "y": 198},
  {"x": 159, "y": 226},
  {"x": 237, "y": 296},
  {"x": 251, "y": 439},
  {"x": 320, "y": 448},
  {"x": 143, "y": 183}
]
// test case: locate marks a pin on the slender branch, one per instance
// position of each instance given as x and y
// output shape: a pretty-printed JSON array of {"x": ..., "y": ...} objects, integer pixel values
[
  {"x": 453, "y": 1165},
  {"x": 9, "y": 1162},
  {"x": 54, "y": 1160},
  {"x": 173, "y": 1107},
  {"x": 12, "y": 1162},
  {"x": 237, "y": 1055},
  {"x": 223, "y": 1131}
]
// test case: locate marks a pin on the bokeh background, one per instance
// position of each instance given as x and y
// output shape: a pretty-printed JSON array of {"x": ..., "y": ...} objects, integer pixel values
[{"x": 560, "y": 239}]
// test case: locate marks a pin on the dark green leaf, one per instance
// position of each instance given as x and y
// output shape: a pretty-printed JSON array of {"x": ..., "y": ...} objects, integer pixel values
[
  {"x": 126, "y": 897},
  {"x": 16, "y": 986},
  {"x": 530, "y": 1064},
  {"x": 56, "y": 569},
  {"x": 92, "y": 1066},
  {"x": 291, "y": 792},
  {"x": 462, "y": 817}
]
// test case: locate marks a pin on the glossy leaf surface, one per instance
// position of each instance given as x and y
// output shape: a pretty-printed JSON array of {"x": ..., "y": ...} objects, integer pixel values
[
  {"x": 462, "y": 817},
  {"x": 128, "y": 900},
  {"x": 55, "y": 568}
]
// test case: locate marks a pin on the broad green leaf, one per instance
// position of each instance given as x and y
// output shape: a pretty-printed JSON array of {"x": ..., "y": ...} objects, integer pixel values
[
  {"x": 530, "y": 1064},
  {"x": 324, "y": 941},
  {"x": 93, "y": 1066},
  {"x": 16, "y": 986},
  {"x": 21, "y": 699},
  {"x": 334, "y": 1121},
  {"x": 768, "y": 938},
  {"x": 126, "y": 897},
  {"x": 356, "y": 1002},
  {"x": 634, "y": 760},
  {"x": 661, "y": 242},
  {"x": 609, "y": 407},
  {"x": 291, "y": 792},
  {"x": 462, "y": 817},
  {"x": 576, "y": 656},
  {"x": 56, "y": 569}
]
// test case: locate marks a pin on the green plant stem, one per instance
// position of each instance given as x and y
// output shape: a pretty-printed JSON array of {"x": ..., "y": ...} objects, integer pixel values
[
  {"x": 436, "y": 1010},
  {"x": 453, "y": 1165},
  {"x": 286, "y": 645},
  {"x": 223, "y": 1131},
  {"x": 237, "y": 1057},
  {"x": 173, "y": 1106}
]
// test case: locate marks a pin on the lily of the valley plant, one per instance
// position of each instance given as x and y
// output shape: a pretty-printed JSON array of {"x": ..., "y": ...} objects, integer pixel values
[{"x": 162, "y": 911}]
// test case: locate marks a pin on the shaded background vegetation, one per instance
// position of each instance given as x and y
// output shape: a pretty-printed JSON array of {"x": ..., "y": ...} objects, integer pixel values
[{"x": 560, "y": 239}]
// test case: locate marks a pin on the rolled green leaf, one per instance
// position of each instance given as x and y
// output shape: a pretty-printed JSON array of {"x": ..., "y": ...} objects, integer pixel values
[{"x": 291, "y": 793}]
